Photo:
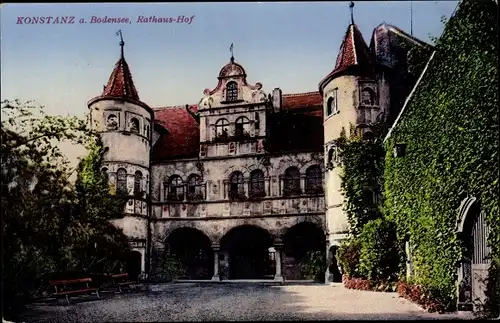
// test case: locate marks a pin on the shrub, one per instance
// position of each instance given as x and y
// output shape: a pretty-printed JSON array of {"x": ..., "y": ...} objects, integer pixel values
[
  {"x": 348, "y": 257},
  {"x": 313, "y": 266},
  {"x": 379, "y": 256},
  {"x": 169, "y": 267}
]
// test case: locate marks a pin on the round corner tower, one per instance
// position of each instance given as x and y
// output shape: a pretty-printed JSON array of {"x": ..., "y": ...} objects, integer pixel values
[
  {"x": 352, "y": 102},
  {"x": 125, "y": 126}
]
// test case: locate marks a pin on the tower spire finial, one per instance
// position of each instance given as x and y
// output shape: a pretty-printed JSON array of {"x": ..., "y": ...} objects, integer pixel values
[
  {"x": 351, "y": 7},
  {"x": 232, "y": 54},
  {"x": 122, "y": 43}
]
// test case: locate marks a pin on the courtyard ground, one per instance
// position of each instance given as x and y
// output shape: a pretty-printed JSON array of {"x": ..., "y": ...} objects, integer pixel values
[{"x": 233, "y": 302}]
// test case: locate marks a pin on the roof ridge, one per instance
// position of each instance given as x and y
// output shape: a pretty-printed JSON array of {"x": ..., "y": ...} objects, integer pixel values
[
  {"x": 183, "y": 106},
  {"x": 302, "y": 93}
]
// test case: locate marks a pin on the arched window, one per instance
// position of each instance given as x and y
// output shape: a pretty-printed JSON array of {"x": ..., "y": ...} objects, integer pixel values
[
  {"x": 292, "y": 181},
  {"x": 236, "y": 185},
  {"x": 121, "y": 181},
  {"x": 195, "y": 188},
  {"x": 331, "y": 160},
  {"x": 134, "y": 125},
  {"x": 221, "y": 129},
  {"x": 333, "y": 157},
  {"x": 175, "y": 188},
  {"x": 242, "y": 127},
  {"x": 331, "y": 104},
  {"x": 112, "y": 122},
  {"x": 314, "y": 180},
  {"x": 367, "y": 97},
  {"x": 231, "y": 91},
  {"x": 257, "y": 184},
  {"x": 137, "y": 183}
]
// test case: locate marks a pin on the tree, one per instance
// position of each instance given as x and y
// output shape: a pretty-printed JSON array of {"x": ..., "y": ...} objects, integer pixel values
[{"x": 49, "y": 224}]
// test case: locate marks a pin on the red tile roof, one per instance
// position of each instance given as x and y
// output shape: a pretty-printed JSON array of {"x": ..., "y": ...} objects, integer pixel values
[
  {"x": 301, "y": 100},
  {"x": 310, "y": 103},
  {"x": 120, "y": 82},
  {"x": 353, "y": 52},
  {"x": 183, "y": 137},
  {"x": 121, "y": 86}
]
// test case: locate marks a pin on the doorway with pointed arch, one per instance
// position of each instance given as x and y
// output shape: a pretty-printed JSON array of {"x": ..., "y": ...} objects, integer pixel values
[{"x": 473, "y": 232}]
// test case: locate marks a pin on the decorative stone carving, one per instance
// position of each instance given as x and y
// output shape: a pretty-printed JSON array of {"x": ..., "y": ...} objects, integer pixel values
[
  {"x": 206, "y": 102},
  {"x": 258, "y": 96}
]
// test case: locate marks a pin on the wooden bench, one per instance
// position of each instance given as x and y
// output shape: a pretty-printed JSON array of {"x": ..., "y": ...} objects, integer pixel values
[
  {"x": 73, "y": 287},
  {"x": 122, "y": 280}
]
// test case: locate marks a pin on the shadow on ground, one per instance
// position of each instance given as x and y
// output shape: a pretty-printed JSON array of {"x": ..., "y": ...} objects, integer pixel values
[{"x": 224, "y": 302}]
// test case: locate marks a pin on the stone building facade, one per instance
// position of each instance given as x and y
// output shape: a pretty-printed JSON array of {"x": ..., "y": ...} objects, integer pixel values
[{"x": 245, "y": 183}]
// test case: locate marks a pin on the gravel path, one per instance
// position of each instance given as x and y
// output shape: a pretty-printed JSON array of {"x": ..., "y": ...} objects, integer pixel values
[{"x": 233, "y": 302}]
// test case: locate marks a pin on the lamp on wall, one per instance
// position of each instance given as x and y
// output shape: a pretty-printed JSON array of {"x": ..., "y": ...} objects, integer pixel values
[{"x": 399, "y": 150}]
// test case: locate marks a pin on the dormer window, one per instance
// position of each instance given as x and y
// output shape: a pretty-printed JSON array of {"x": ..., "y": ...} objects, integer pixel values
[
  {"x": 367, "y": 97},
  {"x": 134, "y": 125},
  {"x": 232, "y": 91}
]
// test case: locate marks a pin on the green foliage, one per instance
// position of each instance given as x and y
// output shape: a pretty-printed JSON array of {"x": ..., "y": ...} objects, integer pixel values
[
  {"x": 379, "y": 256},
  {"x": 313, "y": 266},
  {"x": 348, "y": 256},
  {"x": 451, "y": 131},
  {"x": 51, "y": 225},
  {"x": 361, "y": 175},
  {"x": 170, "y": 267}
]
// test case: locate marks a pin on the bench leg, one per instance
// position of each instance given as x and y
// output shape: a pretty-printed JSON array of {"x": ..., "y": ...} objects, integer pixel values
[
  {"x": 97, "y": 292},
  {"x": 120, "y": 289},
  {"x": 67, "y": 299}
]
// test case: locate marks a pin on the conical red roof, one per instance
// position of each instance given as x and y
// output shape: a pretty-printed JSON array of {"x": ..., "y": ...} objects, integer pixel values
[
  {"x": 120, "y": 82},
  {"x": 353, "y": 52}
]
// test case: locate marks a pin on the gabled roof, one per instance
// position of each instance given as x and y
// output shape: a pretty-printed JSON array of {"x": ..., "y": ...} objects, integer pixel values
[
  {"x": 389, "y": 45},
  {"x": 353, "y": 52}
]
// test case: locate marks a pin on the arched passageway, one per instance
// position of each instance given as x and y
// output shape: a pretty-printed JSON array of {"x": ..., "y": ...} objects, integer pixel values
[
  {"x": 246, "y": 253},
  {"x": 300, "y": 243},
  {"x": 190, "y": 249},
  {"x": 333, "y": 265},
  {"x": 474, "y": 232},
  {"x": 134, "y": 262}
]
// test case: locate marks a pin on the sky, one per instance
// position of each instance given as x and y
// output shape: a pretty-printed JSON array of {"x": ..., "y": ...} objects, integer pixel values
[{"x": 291, "y": 45}]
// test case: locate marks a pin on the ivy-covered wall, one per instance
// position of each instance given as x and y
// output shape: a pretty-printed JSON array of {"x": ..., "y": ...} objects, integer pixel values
[{"x": 450, "y": 128}]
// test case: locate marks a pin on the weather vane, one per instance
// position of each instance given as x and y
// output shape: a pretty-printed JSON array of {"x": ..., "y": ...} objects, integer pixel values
[
  {"x": 231, "y": 50},
  {"x": 122, "y": 43},
  {"x": 351, "y": 6}
]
